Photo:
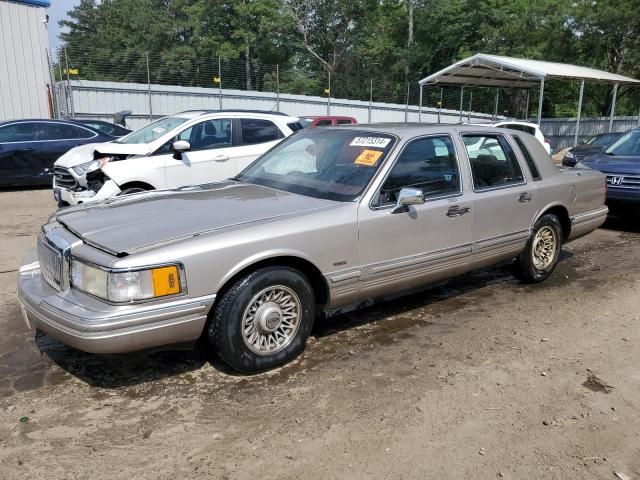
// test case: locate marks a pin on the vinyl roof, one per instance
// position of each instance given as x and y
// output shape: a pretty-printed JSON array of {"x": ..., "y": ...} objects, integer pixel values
[{"x": 496, "y": 71}]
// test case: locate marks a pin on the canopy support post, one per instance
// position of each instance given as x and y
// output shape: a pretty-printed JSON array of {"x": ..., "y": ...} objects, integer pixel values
[
  {"x": 613, "y": 106},
  {"x": 461, "y": 100},
  {"x": 540, "y": 101},
  {"x": 495, "y": 104},
  {"x": 440, "y": 105},
  {"x": 420, "y": 106},
  {"x": 470, "y": 106},
  {"x": 575, "y": 137},
  {"x": 526, "y": 110}
]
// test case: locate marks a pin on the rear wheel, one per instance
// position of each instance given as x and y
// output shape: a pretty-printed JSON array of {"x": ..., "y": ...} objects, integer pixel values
[
  {"x": 264, "y": 319},
  {"x": 540, "y": 257}
]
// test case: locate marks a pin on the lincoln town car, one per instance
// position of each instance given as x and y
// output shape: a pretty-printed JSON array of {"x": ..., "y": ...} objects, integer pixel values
[{"x": 326, "y": 220}]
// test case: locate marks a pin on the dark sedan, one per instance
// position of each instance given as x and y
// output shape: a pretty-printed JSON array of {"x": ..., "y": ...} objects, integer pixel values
[
  {"x": 28, "y": 148},
  {"x": 594, "y": 145},
  {"x": 621, "y": 163}
]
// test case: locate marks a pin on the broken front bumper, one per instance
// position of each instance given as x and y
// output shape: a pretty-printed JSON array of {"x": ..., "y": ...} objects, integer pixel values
[
  {"x": 88, "y": 324},
  {"x": 70, "y": 197}
]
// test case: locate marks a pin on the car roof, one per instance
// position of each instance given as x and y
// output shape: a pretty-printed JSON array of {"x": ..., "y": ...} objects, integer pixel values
[
  {"x": 62, "y": 121},
  {"x": 327, "y": 117},
  {"x": 517, "y": 122},
  {"x": 196, "y": 113},
  {"x": 402, "y": 130}
]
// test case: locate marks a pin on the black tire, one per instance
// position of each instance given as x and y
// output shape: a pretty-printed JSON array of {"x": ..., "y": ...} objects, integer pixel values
[
  {"x": 130, "y": 190},
  {"x": 525, "y": 266},
  {"x": 225, "y": 329}
]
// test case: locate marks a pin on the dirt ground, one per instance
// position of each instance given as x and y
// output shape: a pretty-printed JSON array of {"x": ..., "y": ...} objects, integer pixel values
[{"x": 479, "y": 378}]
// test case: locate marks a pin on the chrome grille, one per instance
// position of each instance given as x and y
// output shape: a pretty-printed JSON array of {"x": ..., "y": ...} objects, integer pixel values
[
  {"x": 631, "y": 182},
  {"x": 63, "y": 178},
  {"x": 51, "y": 263}
]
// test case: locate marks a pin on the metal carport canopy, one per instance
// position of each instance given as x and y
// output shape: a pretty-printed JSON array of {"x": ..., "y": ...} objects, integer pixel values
[{"x": 484, "y": 70}]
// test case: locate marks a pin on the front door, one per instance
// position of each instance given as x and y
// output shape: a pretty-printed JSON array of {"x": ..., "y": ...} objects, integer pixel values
[
  {"x": 504, "y": 203},
  {"x": 210, "y": 159},
  {"x": 427, "y": 242}
]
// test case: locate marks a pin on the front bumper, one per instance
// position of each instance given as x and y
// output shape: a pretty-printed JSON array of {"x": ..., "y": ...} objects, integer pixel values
[
  {"x": 91, "y": 325},
  {"x": 623, "y": 197},
  {"x": 71, "y": 197}
]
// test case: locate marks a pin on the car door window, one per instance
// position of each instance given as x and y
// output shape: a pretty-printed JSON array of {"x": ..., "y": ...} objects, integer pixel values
[
  {"x": 323, "y": 123},
  {"x": 259, "y": 131},
  {"x": 18, "y": 132},
  {"x": 208, "y": 135},
  {"x": 62, "y": 131},
  {"x": 344, "y": 121},
  {"x": 494, "y": 163},
  {"x": 429, "y": 164}
]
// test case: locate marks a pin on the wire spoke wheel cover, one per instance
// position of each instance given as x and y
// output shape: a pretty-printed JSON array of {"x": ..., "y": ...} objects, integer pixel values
[
  {"x": 544, "y": 248},
  {"x": 271, "y": 320}
]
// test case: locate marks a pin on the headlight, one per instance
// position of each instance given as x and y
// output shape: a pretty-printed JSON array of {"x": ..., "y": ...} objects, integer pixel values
[
  {"x": 128, "y": 286},
  {"x": 91, "y": 166}
]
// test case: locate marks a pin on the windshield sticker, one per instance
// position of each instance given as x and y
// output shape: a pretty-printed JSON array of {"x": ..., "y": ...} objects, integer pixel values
[
  {"x": 378, "y": 142},
  {"x": 368, "y": 157},
  {"x": 158, "y": 129}
]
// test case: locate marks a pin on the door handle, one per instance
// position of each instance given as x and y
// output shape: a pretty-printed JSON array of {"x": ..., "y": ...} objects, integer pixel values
[
  {"x": 221, "y": 158},
  {"x": 525, "y": 197},
  {"x": 456, "y": 211}
]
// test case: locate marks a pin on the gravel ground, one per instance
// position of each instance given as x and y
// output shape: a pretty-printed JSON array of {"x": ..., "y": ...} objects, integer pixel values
[{"x": 480, "y": 378}]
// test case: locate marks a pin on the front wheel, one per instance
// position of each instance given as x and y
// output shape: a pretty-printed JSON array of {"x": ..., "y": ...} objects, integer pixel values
[
  {"x": 131, "y": 190},
  {"x": 540, "y": 257},
  {"x": 264, "y": 319}
]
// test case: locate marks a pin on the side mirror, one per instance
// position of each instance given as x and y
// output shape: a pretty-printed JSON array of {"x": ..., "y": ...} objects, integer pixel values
[
  {"x": 179, "y": 147},
  {"x": 406, "y": 197}
]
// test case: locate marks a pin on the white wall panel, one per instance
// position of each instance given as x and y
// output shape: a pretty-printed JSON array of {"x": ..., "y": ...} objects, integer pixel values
[{"x": 24, "y": 72}]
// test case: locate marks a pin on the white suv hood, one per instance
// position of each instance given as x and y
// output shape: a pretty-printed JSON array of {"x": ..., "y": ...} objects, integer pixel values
[{"x": 86, "y": 153}]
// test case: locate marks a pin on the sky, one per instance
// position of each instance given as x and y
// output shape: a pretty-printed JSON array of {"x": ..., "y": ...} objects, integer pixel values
[{"x": 58, "y": 11}]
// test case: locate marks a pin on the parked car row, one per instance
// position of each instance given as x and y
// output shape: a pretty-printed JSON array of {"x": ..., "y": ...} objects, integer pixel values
[{"x": 325, "y": 220}]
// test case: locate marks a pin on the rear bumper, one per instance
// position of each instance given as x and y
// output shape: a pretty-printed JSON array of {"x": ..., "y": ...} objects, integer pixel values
[
  {"x": 90, "y": 325},
  {"x": 587, "y": 222}
]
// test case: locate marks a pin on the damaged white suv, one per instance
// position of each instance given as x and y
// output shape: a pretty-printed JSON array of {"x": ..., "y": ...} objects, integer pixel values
[{"x": 188, "y": 148}]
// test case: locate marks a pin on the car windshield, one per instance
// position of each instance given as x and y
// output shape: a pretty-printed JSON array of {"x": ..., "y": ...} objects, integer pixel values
[
  {"x": 153, "y": 131},
  {"x": 628, "y": 144},
  {"x": 327, "y": 164},
  {"x": 306, "y": 122},
  {"x": 601, "y": 140}
]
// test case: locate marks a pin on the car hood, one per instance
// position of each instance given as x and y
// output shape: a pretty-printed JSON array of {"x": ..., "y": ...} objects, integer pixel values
[
  {"x": 86, "y": 153},
  {"x": 587, "y": 149},
  {"x": 614, "y": 164},
  {"x": 137, "y": 222}
]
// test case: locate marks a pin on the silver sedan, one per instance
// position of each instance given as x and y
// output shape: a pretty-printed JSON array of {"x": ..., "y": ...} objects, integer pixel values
[{"x": 328, "y": 219}]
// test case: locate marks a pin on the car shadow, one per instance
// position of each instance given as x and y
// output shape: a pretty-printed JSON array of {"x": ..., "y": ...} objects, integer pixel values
[
  {"x": 623, "y": 223},
  {"x": 117, "y": 371}
]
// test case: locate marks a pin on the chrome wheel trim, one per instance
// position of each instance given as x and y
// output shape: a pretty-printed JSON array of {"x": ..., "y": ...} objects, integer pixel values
[
  {"x": 543, "y": 248},
  {"x": 271, "y": 320}
]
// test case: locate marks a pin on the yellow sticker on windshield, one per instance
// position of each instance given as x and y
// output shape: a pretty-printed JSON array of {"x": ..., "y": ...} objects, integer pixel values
[{"x": 368, "y": 157}]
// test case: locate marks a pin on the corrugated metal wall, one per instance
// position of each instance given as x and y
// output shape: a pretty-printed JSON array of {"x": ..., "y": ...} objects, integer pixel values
[
  {"x": 100, "y": 100},
  {"x": 24, "y": 73}
]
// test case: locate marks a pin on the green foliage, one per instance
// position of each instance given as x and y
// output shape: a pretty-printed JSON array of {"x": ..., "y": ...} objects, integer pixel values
[{"x": 355, "y": 40}]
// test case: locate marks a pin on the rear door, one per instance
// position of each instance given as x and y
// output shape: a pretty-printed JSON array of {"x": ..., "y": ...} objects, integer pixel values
[
  {"x": 211, "y": 157},
  {"x": 20, "y": 154},
  {"x": 57, "y": 139},
  {"x": 504, "y": 203},
  {"x": 426, "y": 242},
  {"x": 256, "y": 136}
]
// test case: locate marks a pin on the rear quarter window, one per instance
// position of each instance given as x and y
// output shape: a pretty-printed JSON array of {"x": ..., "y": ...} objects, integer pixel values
[{"x": 535, "y": 173}]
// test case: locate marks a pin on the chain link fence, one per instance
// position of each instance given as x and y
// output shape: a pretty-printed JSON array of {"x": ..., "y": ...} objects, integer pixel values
[{"x": 99, "y": 83}]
